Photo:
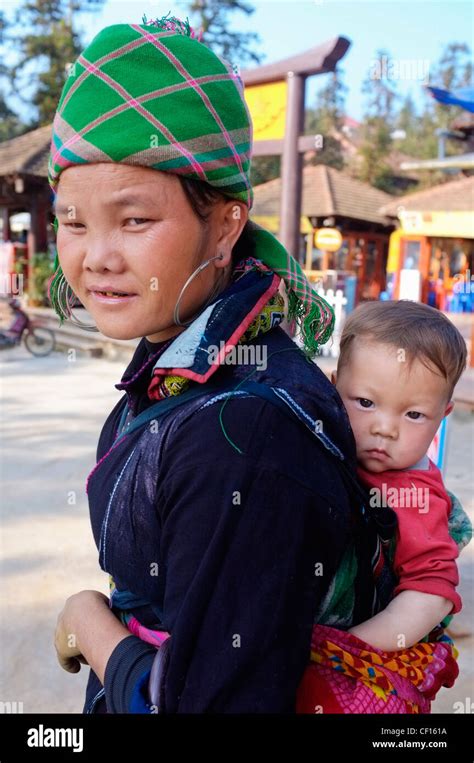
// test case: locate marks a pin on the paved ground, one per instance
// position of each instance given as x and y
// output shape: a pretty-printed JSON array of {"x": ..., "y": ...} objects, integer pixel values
[{"x": 51, "y": 417}]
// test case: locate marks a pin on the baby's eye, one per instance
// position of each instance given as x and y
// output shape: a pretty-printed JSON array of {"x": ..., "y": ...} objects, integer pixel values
[
  {"x": 71, "y": 225},
  {"x": 364, "y": 402},
  {"x": 415, "y": 415}
]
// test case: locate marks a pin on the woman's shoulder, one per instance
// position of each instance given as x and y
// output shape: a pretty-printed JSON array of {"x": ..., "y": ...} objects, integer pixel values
[{"x": 249, "y": 433}]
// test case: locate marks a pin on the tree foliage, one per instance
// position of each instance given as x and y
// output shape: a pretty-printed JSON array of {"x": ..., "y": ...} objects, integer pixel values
[
  {"x": 326, "y": 120},
  {"x": 212, "y": 16},
  {"x": 43, "y": 37}
]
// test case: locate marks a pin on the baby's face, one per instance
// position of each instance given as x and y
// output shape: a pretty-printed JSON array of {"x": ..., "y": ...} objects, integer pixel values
[{"x": 394, "y": 409}]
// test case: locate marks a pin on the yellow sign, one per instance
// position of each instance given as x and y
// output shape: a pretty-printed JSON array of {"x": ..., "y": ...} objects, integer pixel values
[
  {"x": 448, "y": 224},
  {"x": 272, "y": 223},
  {"x": 328, "y": 239},
  {"x": 267, "y": 106},
  {"x": 393, "y": 260}
]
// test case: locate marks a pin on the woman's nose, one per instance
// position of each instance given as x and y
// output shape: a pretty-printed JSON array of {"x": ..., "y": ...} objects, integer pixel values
[{"x": 102, "y": 255}]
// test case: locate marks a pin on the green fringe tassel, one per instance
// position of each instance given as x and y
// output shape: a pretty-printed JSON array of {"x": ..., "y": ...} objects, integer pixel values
[
  {"x": 172, "y": 23},
  {"x": 316, "y": 325}
]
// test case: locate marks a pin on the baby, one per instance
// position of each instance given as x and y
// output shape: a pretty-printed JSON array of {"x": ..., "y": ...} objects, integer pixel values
[{"x": 399, "y": 363}]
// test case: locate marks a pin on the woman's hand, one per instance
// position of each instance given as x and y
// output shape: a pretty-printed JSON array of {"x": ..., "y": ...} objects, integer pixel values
[
  {"x": 66, "y": 639},
  {"x": 87, "y": 632}
]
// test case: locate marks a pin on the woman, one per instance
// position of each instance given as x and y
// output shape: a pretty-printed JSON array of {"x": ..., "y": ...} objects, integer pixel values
[{"x": 220, "y": 515}]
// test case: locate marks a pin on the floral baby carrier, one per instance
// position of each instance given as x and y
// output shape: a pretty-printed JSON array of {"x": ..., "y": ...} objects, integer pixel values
[{"x": 347, "y": 675}]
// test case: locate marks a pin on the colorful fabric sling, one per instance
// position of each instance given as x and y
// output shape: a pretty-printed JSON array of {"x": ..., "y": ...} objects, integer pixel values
[{"x": 349, "y": 676}]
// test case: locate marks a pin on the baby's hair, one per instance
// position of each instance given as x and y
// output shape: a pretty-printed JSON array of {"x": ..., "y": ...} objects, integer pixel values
[{"x": 422, "y": 332}]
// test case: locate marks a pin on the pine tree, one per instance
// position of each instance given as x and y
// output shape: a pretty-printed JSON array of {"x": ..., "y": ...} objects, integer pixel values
[
  {"x": 453, "y": 71},
  {"x": 379, "y": 122},
  {"x": 212, "y": 17},
  {"x": 264, "y": 168},
  {"x": 47, "y": 42},
  {"x": 326, "y": 121},
  {"x": 10, "y": 124}
]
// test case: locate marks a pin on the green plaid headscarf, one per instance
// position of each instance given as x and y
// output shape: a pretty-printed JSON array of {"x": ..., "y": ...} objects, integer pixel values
[{"x": 153, "y": 95}]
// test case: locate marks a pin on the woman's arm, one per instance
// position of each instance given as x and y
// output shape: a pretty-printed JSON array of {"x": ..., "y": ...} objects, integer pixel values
[{"x": 87, "y": 632}]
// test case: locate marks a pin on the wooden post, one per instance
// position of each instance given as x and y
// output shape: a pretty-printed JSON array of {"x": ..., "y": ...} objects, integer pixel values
[
  {"x": 309, "y": 251},
  {"x": 325, "y": 263},
  {"x": 6, "y": 223},
  {"x": 290, "y": 209},
  {"x": 295, "y": 70}
]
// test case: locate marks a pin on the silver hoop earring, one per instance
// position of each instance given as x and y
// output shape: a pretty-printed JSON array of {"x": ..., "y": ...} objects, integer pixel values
[
  {"x": 213, "y": 294},
  {"x": 65, "y": 296}
]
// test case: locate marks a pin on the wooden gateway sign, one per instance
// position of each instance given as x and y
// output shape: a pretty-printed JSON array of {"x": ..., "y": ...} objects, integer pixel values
[{"x": 277, "y": 108}]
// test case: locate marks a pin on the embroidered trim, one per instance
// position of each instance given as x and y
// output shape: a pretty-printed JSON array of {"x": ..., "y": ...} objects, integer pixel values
[{"x": 103, "y": 533}]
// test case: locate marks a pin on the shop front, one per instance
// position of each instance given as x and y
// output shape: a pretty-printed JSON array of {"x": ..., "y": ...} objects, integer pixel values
[
  {"x": 431, "y": 259},
  {"x": 357, "y": 266},
  {"x": 343, "y": 245}
]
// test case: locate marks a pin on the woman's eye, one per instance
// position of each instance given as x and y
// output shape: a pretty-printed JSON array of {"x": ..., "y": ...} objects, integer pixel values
[
  {"x": 138, "y": 220},
  {"x": 133, "y": 221},
  {"x": 364, "y": 402},
  {"x": 415, "y": 415}
]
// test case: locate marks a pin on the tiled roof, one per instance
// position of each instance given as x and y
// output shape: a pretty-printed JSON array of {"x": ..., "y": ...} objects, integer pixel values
[
  {"x": 463, "y": 122},
  {"x": 455, "y": 196},
  {"x": 327, "y": 192},
  {"x": 27, "y": 154}
]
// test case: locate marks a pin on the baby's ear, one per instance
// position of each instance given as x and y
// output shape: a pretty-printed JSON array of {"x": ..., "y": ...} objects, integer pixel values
[
  {"x": 333, "y": 377},
  {"x": 449, "y": 408}
]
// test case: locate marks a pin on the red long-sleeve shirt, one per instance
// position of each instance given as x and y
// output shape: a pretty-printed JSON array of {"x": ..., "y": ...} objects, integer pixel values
[{"x": 425, "y": 552}]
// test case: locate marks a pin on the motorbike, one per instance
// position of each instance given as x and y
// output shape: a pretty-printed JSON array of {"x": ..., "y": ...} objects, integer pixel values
[{"x": 38, "y": 340}]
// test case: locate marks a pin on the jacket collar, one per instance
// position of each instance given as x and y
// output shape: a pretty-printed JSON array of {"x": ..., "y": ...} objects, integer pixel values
[{"x": 221, "y": 325}]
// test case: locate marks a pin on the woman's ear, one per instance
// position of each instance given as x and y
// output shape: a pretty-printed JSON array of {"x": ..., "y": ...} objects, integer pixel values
[
  {"x": 232, "y": 216},
  {"x": 334, "y": 377}
]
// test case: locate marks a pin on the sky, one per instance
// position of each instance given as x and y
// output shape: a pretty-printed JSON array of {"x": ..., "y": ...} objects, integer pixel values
[{"x": 414, "y": 31}]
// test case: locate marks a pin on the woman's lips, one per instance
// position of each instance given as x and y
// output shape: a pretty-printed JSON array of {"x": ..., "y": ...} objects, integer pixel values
[{"x": 106, "y": 298}]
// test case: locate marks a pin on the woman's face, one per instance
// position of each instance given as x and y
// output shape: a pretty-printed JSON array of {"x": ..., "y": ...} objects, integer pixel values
[{"x": 131, "y": 230}]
